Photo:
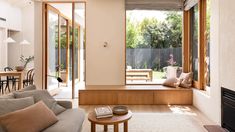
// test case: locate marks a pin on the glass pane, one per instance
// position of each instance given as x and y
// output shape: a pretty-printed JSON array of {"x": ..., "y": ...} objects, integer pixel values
[
  {"x": 63, "y": 51},
  {"x": 70, "y": 51},
  {"x": 52, "y": 69},
  {"x": 208, "y": 16},
  {"x": 79, "y": 18},
  {"x": 76, "y": 53},
  {"x": 194, "y": 31},
  {"x": 153, "y": 46}
]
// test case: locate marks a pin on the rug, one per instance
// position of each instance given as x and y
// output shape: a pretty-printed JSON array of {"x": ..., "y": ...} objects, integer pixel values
[
  {"x": 156, "y": 122},
  {"x": 214, "y": 128}
]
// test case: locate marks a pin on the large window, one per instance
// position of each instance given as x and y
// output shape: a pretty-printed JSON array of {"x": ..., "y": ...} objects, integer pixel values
[
  {"x": 208, "y": 16},
  {"x": 153, "y": 46},
  {"x": 194, "y": 40},
  {"x": 199, "y": 42}
]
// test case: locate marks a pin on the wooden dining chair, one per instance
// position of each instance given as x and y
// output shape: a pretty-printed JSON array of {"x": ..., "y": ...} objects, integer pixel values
[
  {"x": 2, "y": 82},
  {"x": 29, "y": 78},
  {"x": 10, "y": 79}
]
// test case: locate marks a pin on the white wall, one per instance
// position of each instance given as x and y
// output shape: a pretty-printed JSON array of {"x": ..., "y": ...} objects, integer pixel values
[
  {"x": 227, "y": 44},
  {"x": 12, "y": 14},
  {"x": 3, "y": 47},
  {"x": 222, "y": 59},
  {"x": 105, "y": 22},
  {"x": 38, "y": 47},
  {"x": 15, "y": 50}
]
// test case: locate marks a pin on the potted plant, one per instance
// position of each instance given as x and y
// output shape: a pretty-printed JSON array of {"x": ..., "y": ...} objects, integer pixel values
[
  {"x": 25, "y": 61},
  {"x": 172, "y": 67}
]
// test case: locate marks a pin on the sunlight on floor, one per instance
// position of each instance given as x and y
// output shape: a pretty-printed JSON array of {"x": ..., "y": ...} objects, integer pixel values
[
  {"x": 65, "y": 92},
  {"x": 181, "y": 110}
]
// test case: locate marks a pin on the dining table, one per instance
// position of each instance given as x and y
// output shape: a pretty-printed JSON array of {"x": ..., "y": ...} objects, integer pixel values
[{"x": 14, "y": 73}]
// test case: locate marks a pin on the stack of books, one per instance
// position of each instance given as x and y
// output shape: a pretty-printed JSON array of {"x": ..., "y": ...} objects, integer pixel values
[{"x": 103, "y": 112}]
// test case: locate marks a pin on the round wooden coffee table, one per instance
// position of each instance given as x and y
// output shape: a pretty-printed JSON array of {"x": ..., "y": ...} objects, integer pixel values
[{"x": 115, "y": 120}]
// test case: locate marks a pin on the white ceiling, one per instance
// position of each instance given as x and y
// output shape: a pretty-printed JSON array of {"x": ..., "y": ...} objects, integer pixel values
[{"x": 20, "y": 3}]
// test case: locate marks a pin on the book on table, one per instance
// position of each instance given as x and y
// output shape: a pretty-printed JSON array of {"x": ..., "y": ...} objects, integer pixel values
[{"x": 103, "y": 112}]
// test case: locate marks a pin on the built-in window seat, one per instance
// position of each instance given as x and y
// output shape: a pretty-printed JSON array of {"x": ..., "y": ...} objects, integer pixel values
[{"x": 135, "y": 95}]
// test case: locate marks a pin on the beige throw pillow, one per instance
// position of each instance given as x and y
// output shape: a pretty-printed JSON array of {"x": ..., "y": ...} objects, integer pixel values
[
  {"x": 171, "y": 82},
  {"x": 42, "y": 95},
  {"x": 34, "y": 118},
  {"x": 186, "y": 79}
]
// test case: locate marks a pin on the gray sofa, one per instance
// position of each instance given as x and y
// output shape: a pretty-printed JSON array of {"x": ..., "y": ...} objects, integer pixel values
[{"x": 70, "y": 120}]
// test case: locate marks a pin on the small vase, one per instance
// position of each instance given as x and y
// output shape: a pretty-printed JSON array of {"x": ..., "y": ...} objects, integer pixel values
[{"x": 19, "y": 68}]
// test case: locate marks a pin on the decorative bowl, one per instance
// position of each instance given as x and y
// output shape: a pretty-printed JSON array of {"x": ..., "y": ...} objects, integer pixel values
[
  {"x": 120, "y": 110},
  {"x": 19, "y": 68}
]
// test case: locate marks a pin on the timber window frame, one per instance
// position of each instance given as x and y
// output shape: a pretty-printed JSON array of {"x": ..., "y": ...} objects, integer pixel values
[{"x": 187, "y": 53}]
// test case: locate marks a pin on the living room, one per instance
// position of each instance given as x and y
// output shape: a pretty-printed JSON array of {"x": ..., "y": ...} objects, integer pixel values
[{"x": 98, "y": 76}]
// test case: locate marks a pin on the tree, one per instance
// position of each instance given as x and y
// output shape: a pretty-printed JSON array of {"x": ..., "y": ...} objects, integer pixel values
[
  {"x": 131, "y": 34},
  {"x": 173, "y": 36},
  {"x": 151, "y": 33}
]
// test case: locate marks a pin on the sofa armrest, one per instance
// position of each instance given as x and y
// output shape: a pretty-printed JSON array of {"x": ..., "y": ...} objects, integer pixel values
[{"x": 65, "y": 104}]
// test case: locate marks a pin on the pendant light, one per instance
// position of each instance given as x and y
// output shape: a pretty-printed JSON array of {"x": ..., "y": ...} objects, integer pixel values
[
  {"x": 24, "y": 42},
  {"x": 10, "y": 39}
]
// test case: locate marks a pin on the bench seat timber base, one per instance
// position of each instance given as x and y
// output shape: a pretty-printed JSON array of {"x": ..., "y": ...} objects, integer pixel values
[{"x": 135, "y": 95}]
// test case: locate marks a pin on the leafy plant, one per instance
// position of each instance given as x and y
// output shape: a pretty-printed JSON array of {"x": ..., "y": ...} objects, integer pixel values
[
  {"x": 171, "y": 61},
  {"x": 26, "y": 60}
]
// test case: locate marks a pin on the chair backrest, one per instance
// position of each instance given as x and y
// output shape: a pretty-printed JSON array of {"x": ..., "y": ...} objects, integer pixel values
[
  {"x": 31, "y": 82},
  {"x": 9, "y": 69},
  {"x": 30, "y": 75}
]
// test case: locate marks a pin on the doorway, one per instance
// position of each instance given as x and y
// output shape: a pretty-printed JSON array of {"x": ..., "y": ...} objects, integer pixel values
[{"x": 64, "y": 38}]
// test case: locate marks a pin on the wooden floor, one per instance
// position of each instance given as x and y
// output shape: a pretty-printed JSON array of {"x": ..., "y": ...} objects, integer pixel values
[
  {"x": 193, "y": 115},
  {"x": 134, "y": 95}
]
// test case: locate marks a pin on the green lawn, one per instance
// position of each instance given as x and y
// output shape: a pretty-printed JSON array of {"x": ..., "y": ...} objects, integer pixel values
[{"x": 158, "y": 75}]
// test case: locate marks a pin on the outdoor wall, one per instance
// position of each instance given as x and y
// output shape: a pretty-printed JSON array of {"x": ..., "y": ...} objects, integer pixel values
[
  {"x": 105, "y": 22},
  {"x": 222, "y": 59}
]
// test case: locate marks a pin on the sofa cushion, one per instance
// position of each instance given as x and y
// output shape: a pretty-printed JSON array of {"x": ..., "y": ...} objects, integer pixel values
[
  {"x": 28, "y": 88},
  {"x": 7, "y": 96},
  {"x": 70, "y": 120},
  {"x": 43, "y": 95},
  {"x": 171, "y": 82},
  {"x": 66, "y": 104},
  {"x": 10, "y": 105},
  {"x": 34, "y": 118},
  {"x": 186, "y": 79}
]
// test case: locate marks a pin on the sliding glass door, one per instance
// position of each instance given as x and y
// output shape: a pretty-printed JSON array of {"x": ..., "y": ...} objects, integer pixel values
[
  {"x": 52, "y": 50},
  {"x": 64, "y": 34},
  {"x": 64, "y": 49}
]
